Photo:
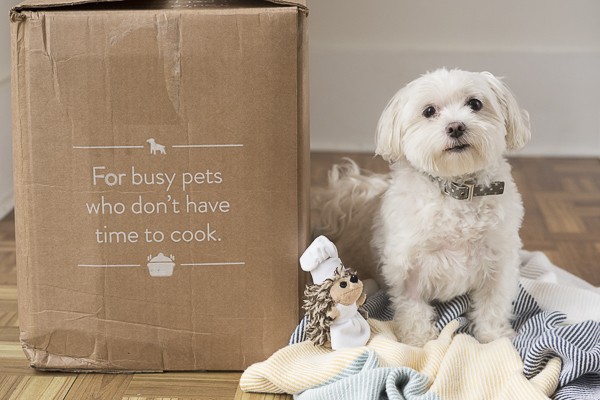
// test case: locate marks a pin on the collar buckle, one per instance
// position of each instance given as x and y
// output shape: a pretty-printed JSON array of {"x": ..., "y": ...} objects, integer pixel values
[{"x": 470, "y": 187}]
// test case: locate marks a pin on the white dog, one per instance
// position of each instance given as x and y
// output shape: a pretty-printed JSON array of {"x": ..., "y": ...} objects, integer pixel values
[
  {"x": 446, "y": 220},
  {"x": 155, "y": 147}
]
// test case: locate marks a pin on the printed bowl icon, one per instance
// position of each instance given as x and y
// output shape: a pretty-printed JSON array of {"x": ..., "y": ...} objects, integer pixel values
[{"x": 161, "y": 265}]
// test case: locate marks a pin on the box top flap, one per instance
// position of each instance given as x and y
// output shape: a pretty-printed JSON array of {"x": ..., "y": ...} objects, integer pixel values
[
  {"x": 34, "y": 4},
  {"x": 41, "y": 4},
  {"x": 298, "y": 3}
]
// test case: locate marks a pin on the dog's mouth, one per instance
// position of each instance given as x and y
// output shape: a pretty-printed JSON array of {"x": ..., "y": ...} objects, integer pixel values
[{"x": 458, "y": 148}]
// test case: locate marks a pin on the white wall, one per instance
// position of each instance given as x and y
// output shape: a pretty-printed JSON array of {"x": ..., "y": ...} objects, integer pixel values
[
  {"x": 6, "y": 179},
  {"x": 548, "y": 51},
  {"x": 363, "y": 51}
]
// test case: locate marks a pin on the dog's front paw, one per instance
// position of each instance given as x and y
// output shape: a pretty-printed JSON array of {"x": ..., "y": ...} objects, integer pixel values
[
  {"x": 417, "y": 333},
  {"x": 488, "y": 332}
]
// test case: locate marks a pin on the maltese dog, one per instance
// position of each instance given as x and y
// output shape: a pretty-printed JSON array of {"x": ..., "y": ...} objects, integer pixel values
[{"x": 445, "y": 221}]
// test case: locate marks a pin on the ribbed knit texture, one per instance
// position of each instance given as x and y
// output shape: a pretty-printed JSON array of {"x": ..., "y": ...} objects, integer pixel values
[{"x": 547, "y": 357}]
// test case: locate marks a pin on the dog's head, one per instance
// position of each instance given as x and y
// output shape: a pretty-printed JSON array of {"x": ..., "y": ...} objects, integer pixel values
[{"x": 451, "y": 123}]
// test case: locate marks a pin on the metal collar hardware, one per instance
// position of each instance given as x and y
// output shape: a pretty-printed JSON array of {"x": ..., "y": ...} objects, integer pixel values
[{"x": 468, "y": 190}]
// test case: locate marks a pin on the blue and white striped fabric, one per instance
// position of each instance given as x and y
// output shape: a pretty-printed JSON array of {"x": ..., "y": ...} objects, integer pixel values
[
  {"x": 299, "y": 334},
  {"x": 396, "y": 383},
  {"x": 541, "y": 335}
]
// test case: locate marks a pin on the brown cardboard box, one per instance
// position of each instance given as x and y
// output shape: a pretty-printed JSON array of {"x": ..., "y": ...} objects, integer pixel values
[{"x": 161, "y": 166}]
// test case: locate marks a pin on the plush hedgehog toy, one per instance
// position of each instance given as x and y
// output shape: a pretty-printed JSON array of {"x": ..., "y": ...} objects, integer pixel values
[{"x": 332, "y": 302}]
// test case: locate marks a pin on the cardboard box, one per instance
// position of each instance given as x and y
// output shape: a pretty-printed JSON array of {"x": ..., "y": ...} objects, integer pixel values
[{"x": 161, "y": 170}]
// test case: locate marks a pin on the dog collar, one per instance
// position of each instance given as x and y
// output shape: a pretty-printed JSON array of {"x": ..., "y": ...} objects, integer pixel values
[{"x": 468, "y": 190}]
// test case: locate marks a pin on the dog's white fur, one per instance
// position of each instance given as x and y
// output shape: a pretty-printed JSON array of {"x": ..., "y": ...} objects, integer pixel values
[{"x": 427, "y": 245}]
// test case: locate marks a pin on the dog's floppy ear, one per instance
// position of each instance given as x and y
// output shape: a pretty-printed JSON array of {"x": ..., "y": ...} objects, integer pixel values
[
  {"x": 516, "y": 120},
  {"x": 388, "y": 140}
]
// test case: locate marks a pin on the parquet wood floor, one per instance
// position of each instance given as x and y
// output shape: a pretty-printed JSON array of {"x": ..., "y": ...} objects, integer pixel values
[{"x": 562, "y": 202}]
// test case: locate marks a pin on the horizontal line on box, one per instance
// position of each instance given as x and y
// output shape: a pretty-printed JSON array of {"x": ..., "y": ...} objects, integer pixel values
[
  {"x": 139, "y": 265},
  {"x": 207, "y": 145},
  {"x": 212, "y": 264},
  {"x": 108, "y": 265},
  {"x": 108, "y": 147}
]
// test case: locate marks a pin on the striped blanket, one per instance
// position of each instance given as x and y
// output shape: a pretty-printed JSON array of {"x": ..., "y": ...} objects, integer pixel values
[{"x": 556, "y": 352}]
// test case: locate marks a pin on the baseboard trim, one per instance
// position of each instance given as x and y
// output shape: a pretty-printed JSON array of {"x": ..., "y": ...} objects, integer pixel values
[
  {"x": 327, "y": 146},
  {"x": 7, "y": 203}
]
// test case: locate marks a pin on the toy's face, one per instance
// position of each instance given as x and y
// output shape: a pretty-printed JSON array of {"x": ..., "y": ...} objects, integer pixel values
[{"x": 346, "y": 290}]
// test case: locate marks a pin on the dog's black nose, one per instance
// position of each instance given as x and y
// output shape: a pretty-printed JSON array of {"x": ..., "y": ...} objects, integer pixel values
[
  {"x": 455, "y": 129},
  {"x": 353, "y": 278}
]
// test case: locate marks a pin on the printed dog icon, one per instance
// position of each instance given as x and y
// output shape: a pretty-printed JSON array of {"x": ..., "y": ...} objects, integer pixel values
[{"x": 155, "y": 147}]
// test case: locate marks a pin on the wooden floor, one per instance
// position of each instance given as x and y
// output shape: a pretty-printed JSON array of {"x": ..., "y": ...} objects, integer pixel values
[{"x": 562, "y": 202}]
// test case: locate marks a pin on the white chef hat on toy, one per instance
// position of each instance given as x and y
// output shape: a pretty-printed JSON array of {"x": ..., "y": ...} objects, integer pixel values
[{"x": 320, "y": 259}]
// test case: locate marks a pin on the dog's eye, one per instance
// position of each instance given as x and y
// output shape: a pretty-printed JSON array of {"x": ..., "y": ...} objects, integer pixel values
[
  {"x": 343, "y": 284},
  {"x": 475, "y": 104},
  {"x": 429, "y": 112}
]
